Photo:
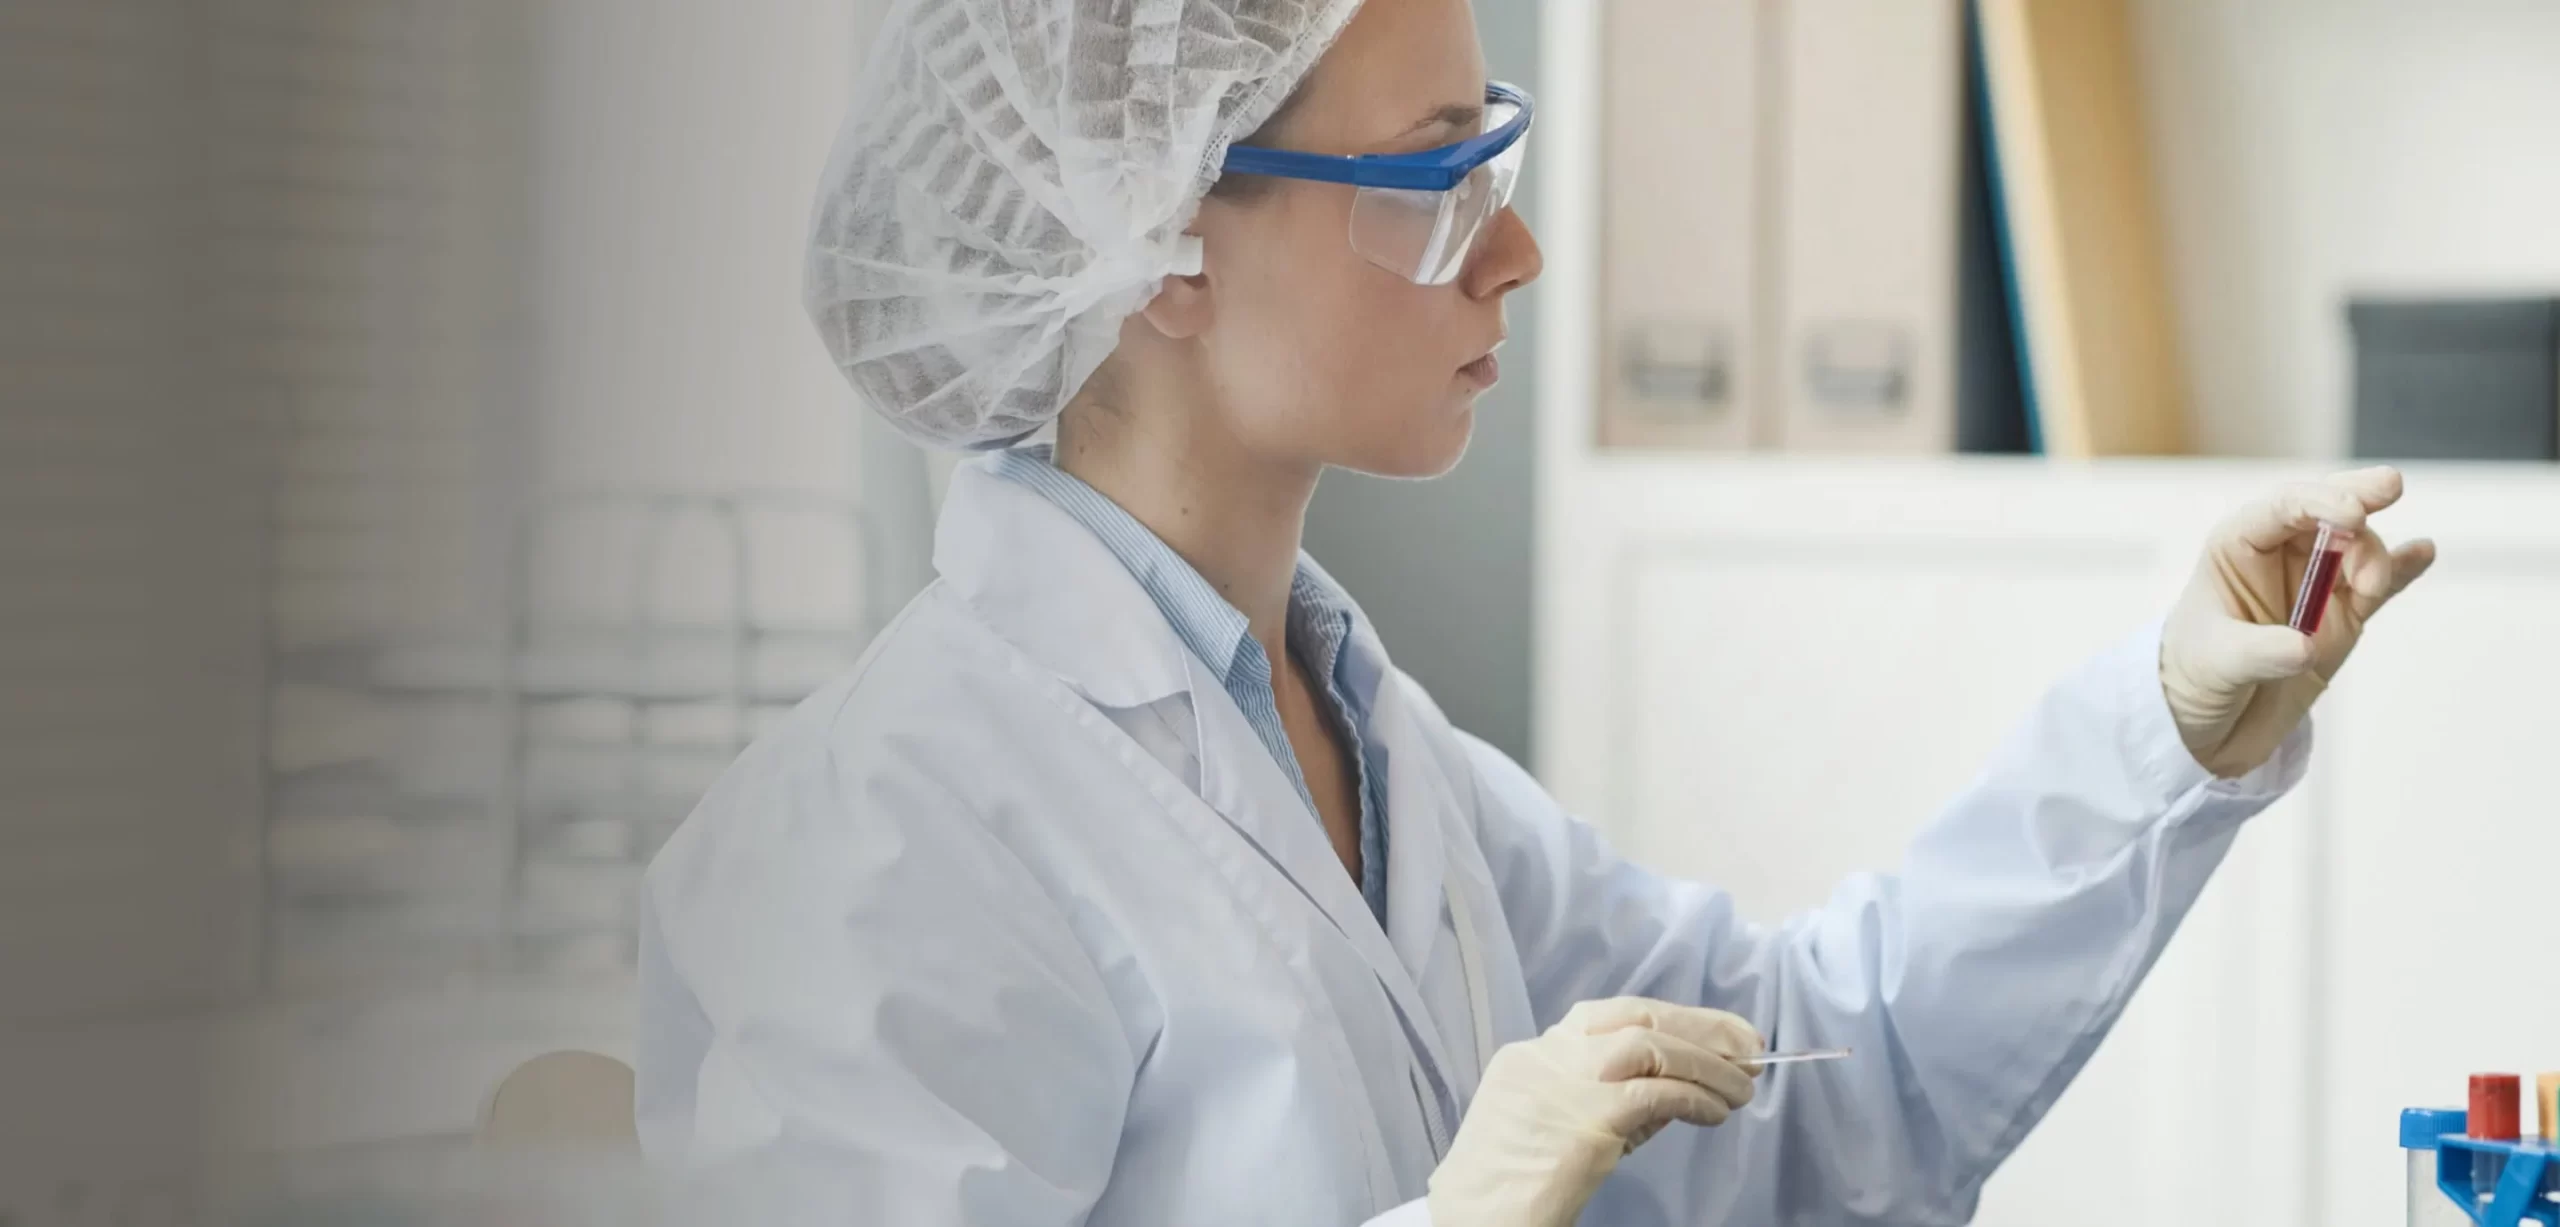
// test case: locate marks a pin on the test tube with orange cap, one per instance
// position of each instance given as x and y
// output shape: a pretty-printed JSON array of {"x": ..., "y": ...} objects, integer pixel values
[
  {"x": 2546, "y": 1094},
  {"x": 2546, "y": 1088}
]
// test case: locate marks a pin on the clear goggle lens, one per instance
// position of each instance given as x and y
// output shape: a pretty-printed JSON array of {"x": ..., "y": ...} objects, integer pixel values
[{"x": 1427, "y": 236}]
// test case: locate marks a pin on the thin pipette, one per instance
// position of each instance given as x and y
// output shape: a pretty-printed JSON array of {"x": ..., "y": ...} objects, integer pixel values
[{"x": 1795, "y": 1058}]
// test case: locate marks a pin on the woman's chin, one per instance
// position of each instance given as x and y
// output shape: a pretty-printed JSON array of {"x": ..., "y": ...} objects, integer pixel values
[{"x": 1427, "y": 450}]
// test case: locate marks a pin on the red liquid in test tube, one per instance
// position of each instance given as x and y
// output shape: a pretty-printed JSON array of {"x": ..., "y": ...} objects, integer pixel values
[{"x": 2328, "y": 550}]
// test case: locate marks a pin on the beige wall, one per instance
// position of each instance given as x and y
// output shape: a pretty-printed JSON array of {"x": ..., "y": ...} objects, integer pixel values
[{"x": 2314, "y": 148}]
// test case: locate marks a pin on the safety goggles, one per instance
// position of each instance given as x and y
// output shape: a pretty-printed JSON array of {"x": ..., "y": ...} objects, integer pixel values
[{"x": 1417, "y": 215}]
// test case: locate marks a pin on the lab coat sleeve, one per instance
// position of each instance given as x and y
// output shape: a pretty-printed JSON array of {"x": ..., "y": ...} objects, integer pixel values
[
  {"x": 1974, "y": 982},
  {"x": 1415, "y": 1213},
  {"x": 847, "y": 982}
]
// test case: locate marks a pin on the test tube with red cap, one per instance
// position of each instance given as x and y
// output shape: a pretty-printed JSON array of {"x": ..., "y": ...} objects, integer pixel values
[
  {"x": 2319, "y": 577},
  {"x": 2494, "y": 1117}
]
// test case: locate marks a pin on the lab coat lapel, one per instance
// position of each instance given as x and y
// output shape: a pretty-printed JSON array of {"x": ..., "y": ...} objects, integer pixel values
[
  {"x": 1239, "y": 778},
  {"x": 1418, "y": 800},
  {"x": 1052, "y": 588}
]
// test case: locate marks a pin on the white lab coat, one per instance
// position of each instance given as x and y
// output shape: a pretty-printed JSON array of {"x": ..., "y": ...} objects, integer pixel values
[{"x": 1020, "y": 925}]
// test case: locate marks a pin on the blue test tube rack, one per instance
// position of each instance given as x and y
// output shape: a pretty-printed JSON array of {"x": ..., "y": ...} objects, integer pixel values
[{"x": 2519, "y": 1196}]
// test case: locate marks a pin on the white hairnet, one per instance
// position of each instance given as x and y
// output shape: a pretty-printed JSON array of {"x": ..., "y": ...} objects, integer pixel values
[{"x": 1013, "y": 183}]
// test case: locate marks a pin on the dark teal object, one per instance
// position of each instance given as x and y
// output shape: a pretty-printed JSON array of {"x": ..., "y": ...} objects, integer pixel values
[{"x": 2457, "y": 379}]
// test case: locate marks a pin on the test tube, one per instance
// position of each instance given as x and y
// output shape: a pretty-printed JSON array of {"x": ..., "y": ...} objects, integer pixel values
[
  {"x": 2494, "y": 1109},
  {"x": 2546, "y": 1093},
  {"x": 2319, "y": 575}
]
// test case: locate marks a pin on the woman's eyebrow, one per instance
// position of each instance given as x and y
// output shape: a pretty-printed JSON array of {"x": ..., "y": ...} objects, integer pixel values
[{"x": 1450, "y": 115}]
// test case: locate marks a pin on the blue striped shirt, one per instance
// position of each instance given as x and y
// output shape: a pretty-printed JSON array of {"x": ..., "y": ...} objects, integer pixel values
[{"x": 1319, "y": 633}]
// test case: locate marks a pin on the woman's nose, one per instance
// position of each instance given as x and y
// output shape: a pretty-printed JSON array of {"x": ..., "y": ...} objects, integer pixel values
[{"x": 1507, "y": 258}]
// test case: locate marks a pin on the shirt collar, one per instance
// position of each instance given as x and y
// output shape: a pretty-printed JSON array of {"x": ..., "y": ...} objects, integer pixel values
[
  {"x": 1323, "y": 613},
  {"x": 1044, "y": 583},
  {"x": 1205, "y": 621},
  {"x": 1214, "y": 629}
]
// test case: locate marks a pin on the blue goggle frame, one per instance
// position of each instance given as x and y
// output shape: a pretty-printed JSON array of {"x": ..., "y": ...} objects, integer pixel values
[{"x": 1432, "y": 170}]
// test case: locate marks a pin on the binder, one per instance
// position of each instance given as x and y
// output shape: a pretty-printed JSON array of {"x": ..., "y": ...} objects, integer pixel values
[
  {"x": 1871, "y": 120},
  {"x": 2081, "y": 227},
  {"x": 1780, "y": 225},
  {"x": 1680, "y": 217},
  {"x": 1991, "y": 393}
]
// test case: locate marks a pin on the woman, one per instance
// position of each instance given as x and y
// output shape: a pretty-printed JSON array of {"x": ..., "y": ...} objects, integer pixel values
[{"x": 1127, "y": 882}]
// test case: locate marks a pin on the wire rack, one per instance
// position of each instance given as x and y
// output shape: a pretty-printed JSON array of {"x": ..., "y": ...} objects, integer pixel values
[{"x": 469, "y": 804}]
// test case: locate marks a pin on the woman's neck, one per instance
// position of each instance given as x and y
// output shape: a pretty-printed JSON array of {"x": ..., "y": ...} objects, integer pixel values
[{"x": 1234, "y": 516}]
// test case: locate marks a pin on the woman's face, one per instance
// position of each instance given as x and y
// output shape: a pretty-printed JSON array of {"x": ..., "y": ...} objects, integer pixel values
[{"x": 1318, "y": 355}]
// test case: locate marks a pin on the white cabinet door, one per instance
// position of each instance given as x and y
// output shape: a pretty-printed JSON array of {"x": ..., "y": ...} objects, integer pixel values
[{"x": 1793, "y": 711}]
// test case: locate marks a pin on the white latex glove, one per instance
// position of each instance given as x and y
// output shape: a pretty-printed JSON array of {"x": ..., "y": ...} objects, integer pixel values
[
  {"x": 2237, "y": 678},
  {"x": 1554, "y": 1115}
]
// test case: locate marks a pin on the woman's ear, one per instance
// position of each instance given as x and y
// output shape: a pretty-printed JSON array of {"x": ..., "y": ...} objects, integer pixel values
[
  {"x": 1181, "y": 309},
  {"x": 1183, "y": 305}
]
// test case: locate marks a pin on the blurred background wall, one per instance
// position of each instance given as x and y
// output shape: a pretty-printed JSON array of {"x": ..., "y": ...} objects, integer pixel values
[
  {"x": 2308, "y": 151},
  {"x": 1445, "y": 567},
  {"x": 417, "y": 477},
  {"x": 131, "y": 612}
]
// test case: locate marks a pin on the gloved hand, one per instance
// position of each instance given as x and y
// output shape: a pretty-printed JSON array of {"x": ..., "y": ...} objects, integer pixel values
[
  {"x": 1553, "y": 1115},
  {"x": 2237, "y": 678}
]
